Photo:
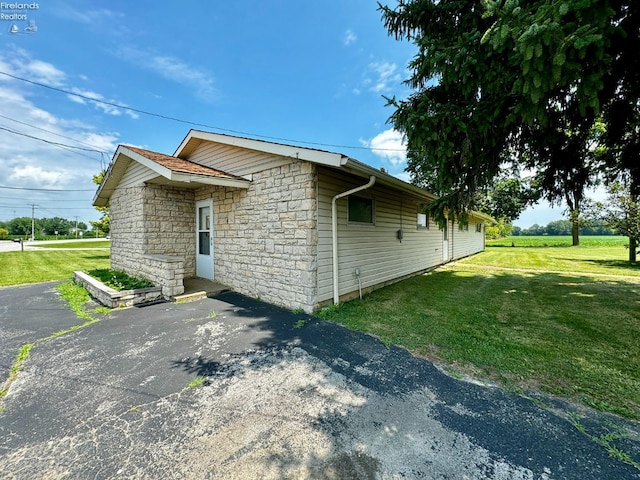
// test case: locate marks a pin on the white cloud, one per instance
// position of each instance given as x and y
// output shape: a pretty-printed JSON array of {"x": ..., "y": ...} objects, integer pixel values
[
  {"x": 383, "y": 76},
  {"x": 20, "y": 63},
  {"x": 107, "y": 108},
  {"x": 28, "y": 169},
  {"x": 106, "y": 142},
  {"x": 389, "y": 145},
  {"x": 88, "y": 16},
  {"x": 28, "y": 160},
  {"x": 173, "y": 69},
  {"x": 349, "y": 37}
]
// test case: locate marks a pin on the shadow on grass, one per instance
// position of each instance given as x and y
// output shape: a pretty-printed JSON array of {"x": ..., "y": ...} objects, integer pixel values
[
  {"x": 97, "y": 257},
  {"x": 618, "y": 264}
]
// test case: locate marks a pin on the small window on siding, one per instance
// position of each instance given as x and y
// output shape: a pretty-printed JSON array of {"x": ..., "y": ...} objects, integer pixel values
[
  {"x": 360, "y": 210},
  {"x": 463, "y": 227},
  {"x": 479, "y": 227},
  {"x": 423, "y": 220}
]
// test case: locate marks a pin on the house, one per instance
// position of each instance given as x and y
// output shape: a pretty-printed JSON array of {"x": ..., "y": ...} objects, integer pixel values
[{"x": 295, "y": 226}]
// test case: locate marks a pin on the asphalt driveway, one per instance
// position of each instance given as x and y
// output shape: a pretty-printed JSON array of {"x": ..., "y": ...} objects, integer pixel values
[{"x": 277, "y": 396}]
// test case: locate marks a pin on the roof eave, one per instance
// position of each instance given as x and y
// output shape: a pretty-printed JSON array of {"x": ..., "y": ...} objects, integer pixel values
[
  {"x": 322, "y": 157},
  {"x": 385, "y": 178}
]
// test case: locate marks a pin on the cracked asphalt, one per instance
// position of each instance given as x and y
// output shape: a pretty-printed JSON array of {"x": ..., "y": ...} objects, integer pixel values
[{"x": 278, "y": 395}]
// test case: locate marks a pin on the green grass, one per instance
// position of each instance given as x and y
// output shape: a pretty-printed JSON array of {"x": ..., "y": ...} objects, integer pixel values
[
  {"x": 79, "y": 244},
  {"x": 603, "y": 260},
  {"x": 561, "y": 327},
  {"x": 196, "y": 382},
  {"x": 558, "y": 241},
  {"x": 119, "y": 280},
  {"x": 34, "y": 266}
]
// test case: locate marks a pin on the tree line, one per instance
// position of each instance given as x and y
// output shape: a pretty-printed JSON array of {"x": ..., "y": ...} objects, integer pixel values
[
  {"x": 21, "y": 227},
  {"x": 563, "y": 227}
]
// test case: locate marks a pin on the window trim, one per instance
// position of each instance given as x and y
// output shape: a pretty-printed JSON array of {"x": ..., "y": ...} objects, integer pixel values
[
  {"x": 372, "y": 223},
  {"x": 425, "y": 225}
]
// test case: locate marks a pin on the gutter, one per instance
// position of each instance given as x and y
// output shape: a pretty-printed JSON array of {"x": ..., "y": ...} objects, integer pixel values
[{"x": 334, "y": 233}]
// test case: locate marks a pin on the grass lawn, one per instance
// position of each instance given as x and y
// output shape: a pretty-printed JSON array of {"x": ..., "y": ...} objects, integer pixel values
[
  {"x": 76, "y": 244},
  {"x": 562, "y": 320},
  {"x": 33, "y": 266}
]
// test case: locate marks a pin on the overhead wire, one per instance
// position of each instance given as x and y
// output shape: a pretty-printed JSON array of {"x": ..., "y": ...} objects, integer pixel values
[
  {"x": 189, "y": 122},
  {"x": 48, "y": 189},
  {"x": 49, "y": 131}
]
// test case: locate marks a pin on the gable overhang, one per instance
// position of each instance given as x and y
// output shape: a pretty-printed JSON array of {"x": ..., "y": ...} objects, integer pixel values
[
  {"x": 322, "y": 157},
  {"x": 123, "y": 158}
]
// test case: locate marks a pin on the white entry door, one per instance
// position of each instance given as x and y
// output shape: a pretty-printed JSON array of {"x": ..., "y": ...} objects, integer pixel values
[
  {"x": 445, "y": 242},
  {"x": 204, "y": 239}
]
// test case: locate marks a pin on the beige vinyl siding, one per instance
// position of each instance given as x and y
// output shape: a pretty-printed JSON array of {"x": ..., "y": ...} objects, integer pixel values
[
  {"x": 136, "y": 175},
  {"x": 235, "y": 160},
  {"x": 375, "y": 250},
  {"x": 467, "y": 242}
]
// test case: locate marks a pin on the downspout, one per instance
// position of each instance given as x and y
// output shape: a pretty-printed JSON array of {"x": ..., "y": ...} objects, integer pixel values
[{"x": 334, "y": 233}]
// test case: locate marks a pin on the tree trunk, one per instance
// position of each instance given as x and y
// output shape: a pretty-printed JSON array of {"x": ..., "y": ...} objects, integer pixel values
[
  {"x": 575, "y": 231},
  {"x": 633, "y": 246}
]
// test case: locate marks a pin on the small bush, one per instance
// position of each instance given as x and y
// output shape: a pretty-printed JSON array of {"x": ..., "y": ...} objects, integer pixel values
[{"x": 119, "y": 280}]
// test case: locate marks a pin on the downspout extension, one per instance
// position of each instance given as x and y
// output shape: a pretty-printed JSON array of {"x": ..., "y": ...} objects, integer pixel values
[{"x": 334, "y": 233}]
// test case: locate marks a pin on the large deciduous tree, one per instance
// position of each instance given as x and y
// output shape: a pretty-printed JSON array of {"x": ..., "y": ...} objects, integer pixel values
[
  {"x": 507, "y": 197},
  {"x": 517, "y": 82},
  {"x": 621, "y": 211}
]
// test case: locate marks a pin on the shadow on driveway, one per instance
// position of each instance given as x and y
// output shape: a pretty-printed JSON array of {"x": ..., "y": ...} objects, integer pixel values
[{"x": 279, "y": 395}]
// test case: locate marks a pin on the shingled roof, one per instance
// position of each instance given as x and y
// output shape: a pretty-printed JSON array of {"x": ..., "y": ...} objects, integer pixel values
[
  {"x": 168, "y": 170},
  {"x": 180, "y": 165}
]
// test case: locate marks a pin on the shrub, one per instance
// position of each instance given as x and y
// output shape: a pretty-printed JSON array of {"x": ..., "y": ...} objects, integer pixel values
[{"x": 119, "y": 280}]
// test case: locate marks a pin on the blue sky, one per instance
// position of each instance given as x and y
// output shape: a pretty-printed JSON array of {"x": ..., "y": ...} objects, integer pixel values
[{"x": 310, "y": 72}]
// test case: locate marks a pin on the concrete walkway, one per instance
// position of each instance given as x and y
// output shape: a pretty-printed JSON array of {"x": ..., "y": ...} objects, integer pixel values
[{"x": 232, "y": 388}]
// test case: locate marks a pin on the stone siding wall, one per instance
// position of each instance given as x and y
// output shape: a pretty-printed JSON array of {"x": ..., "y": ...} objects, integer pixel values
[
  {"x": 265, "y": 238},
  {"x": 153, "y": 234},
  {"x": 127, "y": 227},
  {"x": 170, "y": 224},
  {"x": 166, "y": 272}
]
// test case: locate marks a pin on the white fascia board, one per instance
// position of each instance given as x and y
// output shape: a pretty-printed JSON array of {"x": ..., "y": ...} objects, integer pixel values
[
  {"x": 329, "y": 159},
  {"x": 192, "y": 178}
]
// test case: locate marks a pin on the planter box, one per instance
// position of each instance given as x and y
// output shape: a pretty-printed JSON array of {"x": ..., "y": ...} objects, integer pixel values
[{"x": 111, "y": 298}]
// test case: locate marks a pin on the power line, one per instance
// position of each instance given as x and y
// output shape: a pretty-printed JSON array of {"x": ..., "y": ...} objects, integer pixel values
[
  {"x": 68, "y": 200},
  {"x": 48, "y": 189},
  {"x": 63, "y": 145},
  {"x": 52, "y": 133},
  {"x": 188, "y": 122}
]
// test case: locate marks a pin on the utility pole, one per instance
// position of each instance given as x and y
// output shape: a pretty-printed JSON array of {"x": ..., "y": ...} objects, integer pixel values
[
  {"x": 76, "y": 227},
  {"x": 33, "y": 221}
]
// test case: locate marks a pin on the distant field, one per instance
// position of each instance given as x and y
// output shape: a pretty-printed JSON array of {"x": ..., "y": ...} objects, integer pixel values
[{"x": 558, "y": 241}]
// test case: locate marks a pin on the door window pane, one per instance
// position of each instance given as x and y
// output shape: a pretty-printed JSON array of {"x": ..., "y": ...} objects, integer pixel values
[{"x": 204, "y": 244}]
